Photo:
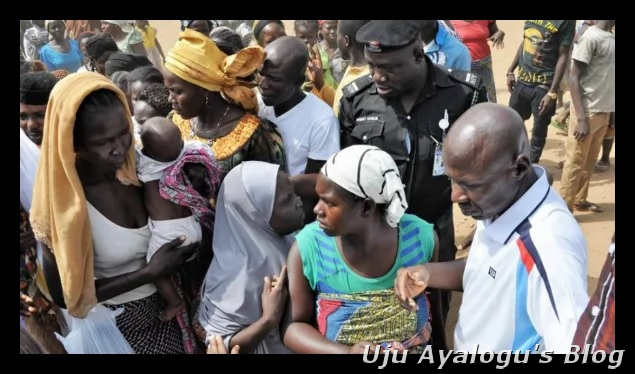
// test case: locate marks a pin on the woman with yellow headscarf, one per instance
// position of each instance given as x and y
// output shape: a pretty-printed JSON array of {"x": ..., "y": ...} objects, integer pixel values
[
  {"x": 214, "y": 102},
  {"x": 89, "y": 213}
]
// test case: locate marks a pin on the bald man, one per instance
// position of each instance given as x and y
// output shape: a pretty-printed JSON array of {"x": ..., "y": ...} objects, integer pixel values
[
  {"x": 309, "y": 129},
  {"x": 524, "y": 283}
]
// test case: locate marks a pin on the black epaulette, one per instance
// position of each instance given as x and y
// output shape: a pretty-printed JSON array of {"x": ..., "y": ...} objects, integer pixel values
[
  {"x": 357, "y": 86},
  {"x": 467, "y": 78},
  {"x": 471, "y": 80}
]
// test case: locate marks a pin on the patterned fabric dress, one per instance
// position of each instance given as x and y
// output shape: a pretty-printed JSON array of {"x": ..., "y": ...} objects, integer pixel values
[
  {"x": 146, "y": 333},
  {"x": 351, "y": 308},
  {"x": 132, "y": 38}
]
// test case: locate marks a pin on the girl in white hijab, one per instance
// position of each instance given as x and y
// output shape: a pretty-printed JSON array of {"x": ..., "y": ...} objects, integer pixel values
[
  {"x": 43, "y": 318},
  {"x": 347, "y": 261},
  {"x": 29, "y": 154},
  {"x": 256, "y": 208}
]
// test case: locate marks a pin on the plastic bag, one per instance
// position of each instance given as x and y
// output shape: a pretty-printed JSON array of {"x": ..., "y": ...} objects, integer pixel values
[{"x": 96, "y": 334}]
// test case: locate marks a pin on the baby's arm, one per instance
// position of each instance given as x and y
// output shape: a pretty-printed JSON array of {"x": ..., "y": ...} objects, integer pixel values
[{"x": 174, "y": 303}]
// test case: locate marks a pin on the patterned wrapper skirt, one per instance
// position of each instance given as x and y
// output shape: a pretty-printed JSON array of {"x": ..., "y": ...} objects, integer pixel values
[
  {"x": 483, "y": 68},
  {"x": 144, "y": 331}
]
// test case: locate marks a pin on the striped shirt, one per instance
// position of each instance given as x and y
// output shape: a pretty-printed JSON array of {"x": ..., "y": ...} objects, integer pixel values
[
  {"x": 597, "y": 324},
  {"x": 525, "y": 283}
]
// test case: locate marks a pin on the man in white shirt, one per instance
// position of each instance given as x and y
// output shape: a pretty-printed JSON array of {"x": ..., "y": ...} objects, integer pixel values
[
  {"x": 524, "y": 281},
  {"x": 309, "y": 129}
]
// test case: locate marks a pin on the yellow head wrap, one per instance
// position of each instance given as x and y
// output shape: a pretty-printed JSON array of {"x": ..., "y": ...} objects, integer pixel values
[
  {"x": 196, "y": 59},
  {"x": 59, "y": 215}
]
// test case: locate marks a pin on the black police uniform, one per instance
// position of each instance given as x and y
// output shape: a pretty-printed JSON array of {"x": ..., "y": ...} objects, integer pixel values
[{"x": 411, "y": 137}]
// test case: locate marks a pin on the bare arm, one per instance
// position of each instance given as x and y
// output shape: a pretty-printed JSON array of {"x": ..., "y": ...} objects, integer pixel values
[
  {"x": 156, "y": 42},
  {"x": 577, "y": 70},
  {"x": 446, "y": 275},
  {"x": 106, "y": 288},
  {"x": 139, "y": 49},
  {"x": 297, "y": 331},
  {"x": 250, "y": 337},
  {"x": 493, "y": 28},
  {"x": 167, "y": 259},
  {"x": 496, "y": 36},
  {"x": 304, "y": 184},
  {"x": 561, "y": 66},
  {"x": 516, "y": 59}
]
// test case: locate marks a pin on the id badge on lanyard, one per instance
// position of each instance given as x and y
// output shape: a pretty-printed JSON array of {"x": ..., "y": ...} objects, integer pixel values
[{"x": 438, "y": 168}]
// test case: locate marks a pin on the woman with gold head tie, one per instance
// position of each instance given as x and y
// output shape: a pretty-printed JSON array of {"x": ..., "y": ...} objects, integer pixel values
[{"x": 214, "y": 102}]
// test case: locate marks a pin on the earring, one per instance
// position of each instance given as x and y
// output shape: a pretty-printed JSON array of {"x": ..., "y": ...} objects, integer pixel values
[{"x": 206, "y": 99}]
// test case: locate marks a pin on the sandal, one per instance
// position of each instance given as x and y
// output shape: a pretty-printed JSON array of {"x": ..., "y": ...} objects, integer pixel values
[
  {"x": 558, "y": 125},
  {"x": 601, "y": 167},
  {"x": 587, "y": 206}
]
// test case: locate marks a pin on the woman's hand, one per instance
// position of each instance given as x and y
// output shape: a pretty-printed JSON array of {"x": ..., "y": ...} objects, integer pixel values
[
  {"x": 170, "y": 257},
  {"x": 497, "y": 39},
  {"x": 274, "y": 297},
  {"x": 217, "y": 347},
  {"x": 360, "y": 348}
]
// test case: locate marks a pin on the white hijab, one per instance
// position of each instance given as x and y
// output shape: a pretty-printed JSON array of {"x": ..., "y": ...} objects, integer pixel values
[
  {"x": 246, "y": 250},
  {"x": 367, "y": 171},
  {"x": 29, "y": 155},
  {"x": 125, "y": 25}
]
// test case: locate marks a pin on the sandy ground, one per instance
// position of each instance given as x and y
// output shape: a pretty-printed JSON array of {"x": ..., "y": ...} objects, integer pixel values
[{"x": 598, "y": 227}]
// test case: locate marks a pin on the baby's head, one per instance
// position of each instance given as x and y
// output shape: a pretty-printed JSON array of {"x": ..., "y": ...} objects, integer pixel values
[{"x": 161, "y": 139}]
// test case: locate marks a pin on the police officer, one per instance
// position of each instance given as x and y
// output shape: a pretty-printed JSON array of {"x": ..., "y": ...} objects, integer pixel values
[{"x": 405, "y": 107}]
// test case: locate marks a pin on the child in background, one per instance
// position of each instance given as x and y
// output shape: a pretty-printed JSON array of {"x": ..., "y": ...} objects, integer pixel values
[{"x": 151, "y": 43}]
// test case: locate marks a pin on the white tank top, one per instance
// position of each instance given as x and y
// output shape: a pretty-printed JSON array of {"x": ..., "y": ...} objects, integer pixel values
[{"x": 119, "y": 250}]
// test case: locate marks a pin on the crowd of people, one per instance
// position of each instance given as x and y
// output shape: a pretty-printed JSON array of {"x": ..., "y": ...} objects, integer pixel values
[{"x": 249, "y": 191}]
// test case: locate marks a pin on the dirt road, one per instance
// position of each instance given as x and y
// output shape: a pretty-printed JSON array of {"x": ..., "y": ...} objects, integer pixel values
[{"x": 598, "y": 227}]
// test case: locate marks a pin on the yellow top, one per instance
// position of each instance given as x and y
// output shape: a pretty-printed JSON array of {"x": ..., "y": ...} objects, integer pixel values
[
  {"x": 149, "y": 36},
  {"x": 352, "y": 73},
  {"x": 224, "y": 146}
]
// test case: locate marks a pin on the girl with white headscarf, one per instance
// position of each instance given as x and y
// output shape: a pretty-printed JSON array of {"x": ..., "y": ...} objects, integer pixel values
[
  {"x": 29, "y": 154},
  {"x": 43, "y": 318},
  {"x": 346, "y": 262},
  {"x": 255, "y": 210},
  {"x": 128, "y": 39}
]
